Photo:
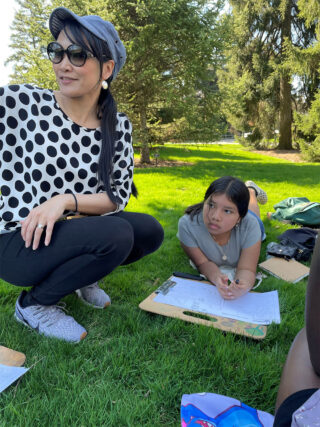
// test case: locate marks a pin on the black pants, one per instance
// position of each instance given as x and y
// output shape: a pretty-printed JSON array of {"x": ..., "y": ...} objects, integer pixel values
[
  {"x": 293, "y": 402},
  {"x": 81, "y": 251}
]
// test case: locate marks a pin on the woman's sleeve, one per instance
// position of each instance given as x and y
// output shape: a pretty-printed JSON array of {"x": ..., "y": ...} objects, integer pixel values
[{"x": 123, "y": 163}]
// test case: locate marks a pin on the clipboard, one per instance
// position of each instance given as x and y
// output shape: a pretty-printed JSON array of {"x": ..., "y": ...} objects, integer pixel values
[{"x": 225, "y": 324}]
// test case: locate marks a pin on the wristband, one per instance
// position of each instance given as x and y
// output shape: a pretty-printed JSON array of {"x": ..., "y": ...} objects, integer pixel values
[{"x": 76, "y": 202}]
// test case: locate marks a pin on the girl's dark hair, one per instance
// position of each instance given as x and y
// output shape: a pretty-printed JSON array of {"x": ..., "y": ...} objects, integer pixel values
[
  {"x": 107, "y": 107},
  {"x": 233, "y": 188}
]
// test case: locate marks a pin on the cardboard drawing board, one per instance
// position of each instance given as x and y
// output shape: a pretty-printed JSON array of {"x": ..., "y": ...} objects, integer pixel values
[
  {"x": 247, "y": 329},
  {"x": 11, "y": 369},
  {"x": 288, "y": 270},
  {"x": 10, "y": 357}
]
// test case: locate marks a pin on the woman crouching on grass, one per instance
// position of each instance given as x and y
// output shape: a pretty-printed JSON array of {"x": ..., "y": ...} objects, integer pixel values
[
  {"x": 222, "y": 235},
  {"x": 63, "y": 152}
]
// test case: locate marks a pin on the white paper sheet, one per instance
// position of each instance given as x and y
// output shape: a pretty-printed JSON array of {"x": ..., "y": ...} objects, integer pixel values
[
  {"x": 9, "y": 374},
  {"x": 259, "y": 308}
]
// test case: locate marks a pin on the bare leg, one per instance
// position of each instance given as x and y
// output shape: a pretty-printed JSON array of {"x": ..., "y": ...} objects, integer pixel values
[
  {"x": 298, "y": 373},
  {"x": 253, "y": 204}
]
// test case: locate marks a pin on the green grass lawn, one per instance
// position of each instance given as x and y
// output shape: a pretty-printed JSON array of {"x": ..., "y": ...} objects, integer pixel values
[{"x": 133, "y": 367}]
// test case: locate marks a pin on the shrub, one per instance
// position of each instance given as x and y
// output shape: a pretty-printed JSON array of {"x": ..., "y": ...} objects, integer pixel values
[{"x": 310, "y": 150}]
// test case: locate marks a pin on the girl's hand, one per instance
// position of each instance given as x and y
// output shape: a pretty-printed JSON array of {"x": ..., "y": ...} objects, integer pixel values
[
  {"x": 238, "y": 288},
  {"x": 221, "y": 282},
  {"x": 44, "y": 215}
]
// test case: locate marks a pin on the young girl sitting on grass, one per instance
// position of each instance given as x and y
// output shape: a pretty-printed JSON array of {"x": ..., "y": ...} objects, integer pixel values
[{"x": 222, "y": 235}]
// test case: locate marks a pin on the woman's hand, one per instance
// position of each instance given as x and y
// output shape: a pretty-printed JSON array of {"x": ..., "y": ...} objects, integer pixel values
[{"x": 44, "y": 215}]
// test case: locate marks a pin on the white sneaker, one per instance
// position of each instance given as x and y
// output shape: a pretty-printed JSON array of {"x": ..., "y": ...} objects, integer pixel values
[
  {"x": 94, "y": 296},
  {"x": 262, "y": 197},
  {"x": 50, "y": 321}
]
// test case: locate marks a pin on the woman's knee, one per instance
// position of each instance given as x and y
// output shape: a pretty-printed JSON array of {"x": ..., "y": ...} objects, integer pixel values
[
  {"x": 158, "y": 233},
  {"x": 129, "y": 230},
  {"x": 120, "y": 235},
  {"x": 151, "y": 234},
  {"x": 101, "y": 235}
]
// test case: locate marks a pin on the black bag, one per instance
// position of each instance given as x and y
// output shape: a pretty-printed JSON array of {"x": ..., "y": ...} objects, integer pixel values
[
  {"x": 303, "y": 239},
  {"x": 282, "y": 251}
]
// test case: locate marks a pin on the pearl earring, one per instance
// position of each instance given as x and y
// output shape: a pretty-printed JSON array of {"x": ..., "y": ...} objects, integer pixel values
[{"x": 104, "y": 84}]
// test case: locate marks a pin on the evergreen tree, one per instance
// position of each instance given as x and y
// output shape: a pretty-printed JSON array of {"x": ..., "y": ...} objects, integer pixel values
[
  {"x": 173, "y": 49},
  {"x": 305, "y": 62},
  {"x": 172, "y": 45},
  {"x": 29, "y": 39},
  {"x": 258, "y": 72}
]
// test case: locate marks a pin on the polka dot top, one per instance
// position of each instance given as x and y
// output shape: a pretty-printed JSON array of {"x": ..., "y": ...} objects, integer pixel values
[{"x": 43, "y": 153}]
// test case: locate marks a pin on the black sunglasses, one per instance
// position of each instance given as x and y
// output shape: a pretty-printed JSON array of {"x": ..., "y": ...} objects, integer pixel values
[{"x": 76, "y": 54}]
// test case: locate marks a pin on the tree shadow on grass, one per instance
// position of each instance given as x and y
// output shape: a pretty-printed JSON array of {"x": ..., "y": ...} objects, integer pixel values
[
  {"x": 194, "y": 153},
  {"x": 302, "y": 174}
]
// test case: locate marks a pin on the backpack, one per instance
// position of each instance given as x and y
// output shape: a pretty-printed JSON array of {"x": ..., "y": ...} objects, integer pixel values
[
  {"x": 298, "y": 210},
  {"x": 210, "y": 409},
  {"x": 301, "y": 239}
]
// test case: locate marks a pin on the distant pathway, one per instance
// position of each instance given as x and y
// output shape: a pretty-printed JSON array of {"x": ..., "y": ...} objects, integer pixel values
[
  {"x": 290, "y": 155},
  {"x": 221, "y": 141}
]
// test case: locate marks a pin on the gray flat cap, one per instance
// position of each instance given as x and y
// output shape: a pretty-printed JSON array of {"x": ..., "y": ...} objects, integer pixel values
[{"x": 104, "y": 30}]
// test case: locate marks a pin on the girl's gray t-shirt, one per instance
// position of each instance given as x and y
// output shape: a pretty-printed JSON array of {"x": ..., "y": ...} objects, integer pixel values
[{"x": 194, "y": 233}]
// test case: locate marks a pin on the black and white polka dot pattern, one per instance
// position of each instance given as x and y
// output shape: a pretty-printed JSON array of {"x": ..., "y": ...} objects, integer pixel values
[{"x": 43, "y": 153}]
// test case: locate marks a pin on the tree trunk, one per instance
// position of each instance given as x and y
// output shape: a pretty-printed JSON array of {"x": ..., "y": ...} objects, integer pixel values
[
  {"x": 145, "y": 150},
  {"x": 285, "y": 138}
]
